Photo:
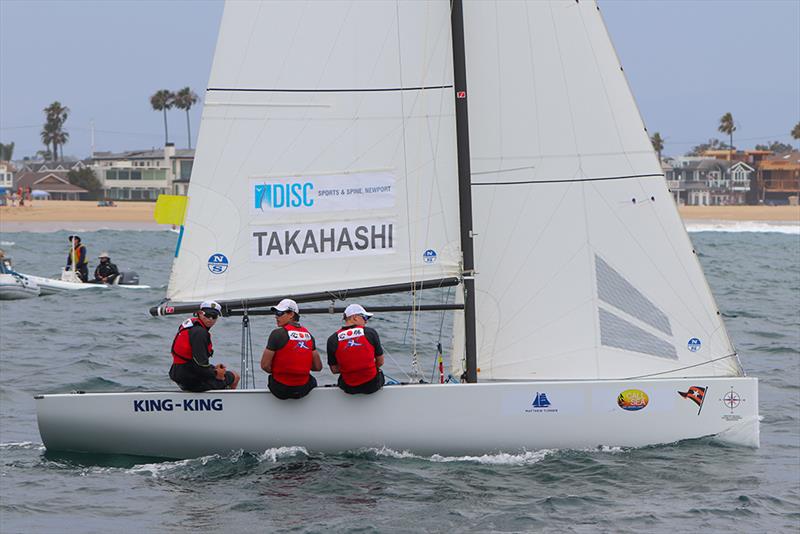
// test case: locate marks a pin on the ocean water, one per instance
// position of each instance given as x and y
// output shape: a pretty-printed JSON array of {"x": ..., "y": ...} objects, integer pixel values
[{"x": 104, "y": 340}]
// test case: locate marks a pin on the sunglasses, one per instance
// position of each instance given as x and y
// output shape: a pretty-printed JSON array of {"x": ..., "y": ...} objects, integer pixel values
[
  {"x": 211, "y": 315},
  {"x": 280, "y": 313},
  {"x": 365, "y": 317}
]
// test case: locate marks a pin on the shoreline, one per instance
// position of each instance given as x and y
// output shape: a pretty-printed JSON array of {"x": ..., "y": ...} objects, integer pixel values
[{"x": 85, "y": 215}]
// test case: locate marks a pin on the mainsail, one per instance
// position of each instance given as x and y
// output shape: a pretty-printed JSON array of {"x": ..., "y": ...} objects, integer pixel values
[
  {"x": 326, "y": 153},
  {"x": 584, "y": 269}
]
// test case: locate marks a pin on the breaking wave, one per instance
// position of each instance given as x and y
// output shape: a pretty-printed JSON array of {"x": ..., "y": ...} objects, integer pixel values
[{"x": 744, "y": 226}]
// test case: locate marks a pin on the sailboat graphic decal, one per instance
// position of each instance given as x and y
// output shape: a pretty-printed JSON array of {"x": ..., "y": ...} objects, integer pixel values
[{"x": 540, "y": 400}]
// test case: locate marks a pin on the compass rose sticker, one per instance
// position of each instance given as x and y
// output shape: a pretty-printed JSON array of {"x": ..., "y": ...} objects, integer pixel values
[{"x": 731, "y": 399}]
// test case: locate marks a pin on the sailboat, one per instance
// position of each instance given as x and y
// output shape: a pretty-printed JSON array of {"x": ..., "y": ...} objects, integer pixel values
[{"x": 362, "y": 148}]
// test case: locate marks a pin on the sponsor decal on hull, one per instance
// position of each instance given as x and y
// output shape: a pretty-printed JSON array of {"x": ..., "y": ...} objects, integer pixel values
[
  {"x": 632, "y": 400},
  {"x": 732, "y": 400},
  {"x": 170, "y": 405},
  {"x": 541, "y": 404}
]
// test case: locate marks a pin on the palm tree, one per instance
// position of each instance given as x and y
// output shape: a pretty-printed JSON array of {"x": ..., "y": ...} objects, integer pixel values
[
  {"x": 55, "y": 117},
  {"x": 796, "y": 132},
  {"x": 658, "y": 144},
  {"x": 49, "y": 137},
  {"x": 61, "y": 139},
  {"x": 185, "y": 99},
  {"x": 727, "y": 126},
  {"x": 163, "y": 100}
]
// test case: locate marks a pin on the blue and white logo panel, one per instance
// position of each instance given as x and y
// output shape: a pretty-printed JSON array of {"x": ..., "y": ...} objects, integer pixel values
[
  {"x": 429, "y": 256},
  {"x": 276, "y": 197},
  {"x": 694, "y": 344},
  {"x": 217, "y": 263}
]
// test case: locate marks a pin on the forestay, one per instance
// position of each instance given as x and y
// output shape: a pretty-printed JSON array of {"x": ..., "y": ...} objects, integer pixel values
[
  {"x": 326, "y": 153},
  {"x": 584, "y": 267}
]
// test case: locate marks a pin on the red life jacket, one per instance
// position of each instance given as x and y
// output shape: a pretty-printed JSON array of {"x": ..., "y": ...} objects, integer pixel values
[
  {"x": 291, "y": 364},
  {"x": 355, "y": 356},
  {"x": 181, "y": 349}
]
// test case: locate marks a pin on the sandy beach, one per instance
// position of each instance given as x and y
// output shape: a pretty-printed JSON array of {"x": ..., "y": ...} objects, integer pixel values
[{"x": 50, "y": 215}]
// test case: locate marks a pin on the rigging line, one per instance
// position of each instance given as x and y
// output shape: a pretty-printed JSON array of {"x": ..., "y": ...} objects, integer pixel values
[
  {"x": 343, "y": 90},
  {"x": 731, "y": 355},
  {"x": 405, "y": 177},
  {"x": 500, "y": 171},
  {"x": 573, "y": 180},
  {"x": 604, "y": 84},
  {"x": 387, "y": 353},
  {"x": 481, "y": 244}
]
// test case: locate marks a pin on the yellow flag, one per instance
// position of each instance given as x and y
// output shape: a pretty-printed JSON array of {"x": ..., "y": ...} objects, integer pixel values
[{"x": 170, "y": 209}]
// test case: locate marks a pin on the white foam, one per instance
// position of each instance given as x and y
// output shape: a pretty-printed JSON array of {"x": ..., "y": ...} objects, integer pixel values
[
  {"x": 273, "y": 455},
  {"x": 524, "y": 458},
  {"x": 762, "y": 227},
  {"x": 22, "y": 445},
  {"x": 7, "y": 243}
]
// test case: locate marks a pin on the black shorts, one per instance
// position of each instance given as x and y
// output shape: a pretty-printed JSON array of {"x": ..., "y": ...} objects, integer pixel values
[
  {"x": 282, "y": 391},
  {"x": 366, "y": 388},
  {"x": 201, "y": 385}
]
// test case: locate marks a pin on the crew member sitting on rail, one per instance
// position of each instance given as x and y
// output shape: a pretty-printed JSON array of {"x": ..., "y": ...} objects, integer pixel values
[
  {"x": 291, "y": 354},
  {"x": 192, "y": 349},
  {"x": 105, "y": 272},
  {"x": 355, "y": 353},
  {"x": 78, "y": 251}
]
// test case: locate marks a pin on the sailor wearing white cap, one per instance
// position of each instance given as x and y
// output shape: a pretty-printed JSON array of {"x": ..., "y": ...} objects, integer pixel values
[
  {"x": 355, "y": 353},
  {"x": 192, "y": 349},
  {"x": 290, "y": 355}
]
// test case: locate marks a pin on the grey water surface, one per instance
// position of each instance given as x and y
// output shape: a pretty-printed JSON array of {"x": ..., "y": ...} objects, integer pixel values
[{"x": 105, "y": 341}]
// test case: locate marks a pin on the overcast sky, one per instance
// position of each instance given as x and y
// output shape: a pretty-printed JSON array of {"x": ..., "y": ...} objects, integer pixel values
[{"x": 688, "y": 63}]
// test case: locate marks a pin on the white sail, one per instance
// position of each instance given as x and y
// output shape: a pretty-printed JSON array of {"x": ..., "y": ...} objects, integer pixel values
[
  {"x": 326, "y": 152},
  {"x": 584, "y": 269}
]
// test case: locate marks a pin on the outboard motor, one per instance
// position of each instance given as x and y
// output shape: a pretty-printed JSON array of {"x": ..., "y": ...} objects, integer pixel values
[{"x": 127, "y": 278}]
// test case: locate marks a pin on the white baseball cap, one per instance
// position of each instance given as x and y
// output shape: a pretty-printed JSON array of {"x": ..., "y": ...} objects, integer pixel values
[
  {"x": 211, "y": 305},
  {"x": 356, "y": 309},
  {"x": 104, "y": 255},
  {"x": 286, "y": 304}
]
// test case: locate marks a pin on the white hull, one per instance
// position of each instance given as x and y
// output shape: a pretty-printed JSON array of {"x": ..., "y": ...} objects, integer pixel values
[
  {"x": 425, "y": 419},
  {"x": 15, "y": 288},
  {"x": 50, "y": 286}
]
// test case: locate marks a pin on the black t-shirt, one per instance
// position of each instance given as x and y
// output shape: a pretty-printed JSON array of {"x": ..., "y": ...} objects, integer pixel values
[
  {"x": 279, "y": 337},
  {"x": 370, "y": 333}
]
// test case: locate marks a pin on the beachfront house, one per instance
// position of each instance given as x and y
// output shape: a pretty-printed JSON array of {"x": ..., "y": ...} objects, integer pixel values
[
  {"x": 6, "y": 176},
  {"x": 144, "y": 174},
  {"x": 778, "y": 179},
  {"x": 54, "y": 183},
  {"x": 704, "y": 181}
]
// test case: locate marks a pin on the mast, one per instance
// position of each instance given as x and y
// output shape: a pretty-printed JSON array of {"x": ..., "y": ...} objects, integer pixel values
[{"x": 464, "y": 187}]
